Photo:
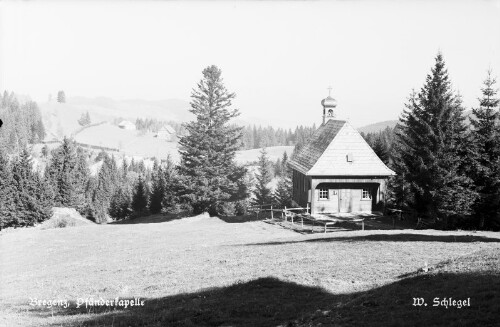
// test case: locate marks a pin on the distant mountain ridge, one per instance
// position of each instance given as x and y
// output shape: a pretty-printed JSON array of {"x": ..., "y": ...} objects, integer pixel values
[
  {"x": 380, "y": 126},
  {"x": 377, "y": 127}
]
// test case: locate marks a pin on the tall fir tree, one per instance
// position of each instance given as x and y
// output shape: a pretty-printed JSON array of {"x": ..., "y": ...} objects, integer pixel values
[
  {"x": 103, "y": 190},
  {"x": 486, "y": 141},
  {"x": 262, "y": 193},
  {"x": 68, "y": 173},
  {"x": 120, "y": 206},
  {"x": 170, "y": 199},
  {"x": 208, "y": 150},
  {"x": 61, "y": 97},
  {"x": 32, "y": 197},
  {"x": 157, "y": 189},
  {"x": 431, "y": 137},
  {"x": 140, "y": 197},
  {"x": 283, "y": 193},
  {"x": 7, "y": 192},
  {"x": 380, "y": 149}
]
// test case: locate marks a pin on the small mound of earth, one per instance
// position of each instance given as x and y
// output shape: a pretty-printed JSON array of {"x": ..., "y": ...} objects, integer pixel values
[{"x": 65, "y": 217}]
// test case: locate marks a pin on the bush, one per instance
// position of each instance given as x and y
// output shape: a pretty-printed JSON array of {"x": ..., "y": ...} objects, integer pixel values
[
  {"x": 178, "y": 208},
  {"x": 241, "y": 207},
  {"x": 226, "y": 209}
]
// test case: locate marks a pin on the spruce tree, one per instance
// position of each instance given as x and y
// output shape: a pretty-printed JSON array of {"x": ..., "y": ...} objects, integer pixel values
[
  {"x": 380, "y": 149},
  {"x": 283, "y": 193},
  {"x": 121, "y": 203},
  {"x": 61, "y": 97},
  {"x": 31, "y": 195},
  {"x": 431, "y": 138},
  {"x": 208, "y": 150},
  {"x": 170, "y": 201},
  {"x": 157, "y": 190},
  {"x": 103, "y": 191},
  {"x": 486, "y": 141},
  {"x": 68, "y": 173},
  {"x": 7, "y": 193},
  {"x": 262, "y": 193},
  {"x": 140, "y": 197},
  {"x": 84, "y": 119}
]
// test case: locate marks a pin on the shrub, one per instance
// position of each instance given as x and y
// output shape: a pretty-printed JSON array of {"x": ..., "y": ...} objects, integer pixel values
[
  {"x": 241, "y": 207},
  {"x": 226, "y": 209}
]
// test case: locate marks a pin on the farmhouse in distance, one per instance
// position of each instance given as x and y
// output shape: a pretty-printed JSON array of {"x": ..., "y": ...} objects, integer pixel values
[
  {"x": 337, "y": 171},
  {"x": 166, "y": 133},
  {"x": 126, "y": 124}
]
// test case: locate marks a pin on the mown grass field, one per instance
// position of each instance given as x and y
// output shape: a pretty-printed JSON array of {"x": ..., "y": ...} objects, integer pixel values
[{"x": 204, "y": 271}]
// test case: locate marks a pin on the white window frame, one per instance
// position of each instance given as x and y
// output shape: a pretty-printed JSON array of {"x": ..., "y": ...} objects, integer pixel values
[
  {"x": 368, "y": 192},
  {"x": 323, "y": 191}
]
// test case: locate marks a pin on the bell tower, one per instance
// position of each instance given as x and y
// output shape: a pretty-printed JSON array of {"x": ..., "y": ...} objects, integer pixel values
[{"x": 329, "y": 104}]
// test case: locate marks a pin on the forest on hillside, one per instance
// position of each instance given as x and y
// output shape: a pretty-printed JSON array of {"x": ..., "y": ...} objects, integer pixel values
[{"x": 22, "y": 123}]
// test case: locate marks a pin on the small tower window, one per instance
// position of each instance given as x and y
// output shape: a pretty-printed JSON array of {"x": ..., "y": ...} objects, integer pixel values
[
  {"x": 350, "y": 157},
  {"x": 366, "y": 195}
]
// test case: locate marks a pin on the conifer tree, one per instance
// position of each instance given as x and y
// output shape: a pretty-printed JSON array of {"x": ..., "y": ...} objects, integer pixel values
[
  {"x": 140, "y": 197},
  {"x": 170, "y": 199},
  {"x": 32, "y": 200},
  {"x": 431, "y": 137},
  {"x": 157, "y": 189},
  {"x": 84, "y": 119},
  {"x": 68, "y": 173},
  {"x": 103, "y": 191},
  {"x": 262, "y": 193},
  {"x": 380, "y": 149},
  {"x": 486, "y": 141},
  {"x": 61, "y": 97},
  {"x": 283, "y": 193},
  {"x": 121, "y": 203},
  {"x": 7, "y": 192},
  {"x": 208, "y": 150}
]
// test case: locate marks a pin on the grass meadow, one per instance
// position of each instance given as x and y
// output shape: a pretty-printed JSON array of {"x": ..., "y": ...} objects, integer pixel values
[{"x": 203, "y": 271}]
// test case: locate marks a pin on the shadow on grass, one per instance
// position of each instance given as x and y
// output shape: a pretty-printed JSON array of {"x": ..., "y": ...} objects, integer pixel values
[
  {"x": 151, "y": 219},
  {"x": 242, "y": 219},
  {"x": 402, "y": 237},
  {"x": 273, "y": 302}
]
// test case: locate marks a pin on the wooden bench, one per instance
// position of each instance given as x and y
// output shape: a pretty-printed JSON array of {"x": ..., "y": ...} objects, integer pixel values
[{"x": 328, "y": 221}]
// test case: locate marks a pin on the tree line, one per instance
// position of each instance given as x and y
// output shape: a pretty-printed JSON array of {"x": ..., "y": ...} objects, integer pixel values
[
  {"x": 22, "y": 123},
  {"x": 207, "y": 179},
  {"x": 447, "y": 169},
  {"x": 260, "y": 137}
]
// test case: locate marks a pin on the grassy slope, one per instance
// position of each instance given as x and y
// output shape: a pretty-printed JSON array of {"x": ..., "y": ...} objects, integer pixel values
[{"x": 204, "y": 271}]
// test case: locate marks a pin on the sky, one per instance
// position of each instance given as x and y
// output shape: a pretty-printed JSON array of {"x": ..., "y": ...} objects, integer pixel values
[{"x": 278, "y": 57}]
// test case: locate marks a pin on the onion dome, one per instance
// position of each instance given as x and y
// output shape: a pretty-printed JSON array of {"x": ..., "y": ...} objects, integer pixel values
[{"x": 329, "y": 102}]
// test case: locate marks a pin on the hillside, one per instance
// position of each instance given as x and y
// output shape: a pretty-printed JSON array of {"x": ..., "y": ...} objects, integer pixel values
[
  {"x": 62, "y": 118},
  {"x": 377, "y": 127},
  {"x": 169, "y": 109},
  {"x": 128, "y": 142}
]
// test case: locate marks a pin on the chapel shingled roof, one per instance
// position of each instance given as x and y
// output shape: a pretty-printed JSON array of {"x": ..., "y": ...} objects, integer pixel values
[
  {"x": 337, "y": 149},
  {"x": 312, "y": 151}
]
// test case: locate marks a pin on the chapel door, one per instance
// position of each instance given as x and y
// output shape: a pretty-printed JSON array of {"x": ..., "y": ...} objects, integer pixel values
[{"x": 345, "y": 200}]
